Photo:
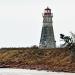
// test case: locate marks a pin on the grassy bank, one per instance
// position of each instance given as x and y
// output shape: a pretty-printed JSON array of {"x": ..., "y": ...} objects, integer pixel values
[{"x": 57, "y": 59}]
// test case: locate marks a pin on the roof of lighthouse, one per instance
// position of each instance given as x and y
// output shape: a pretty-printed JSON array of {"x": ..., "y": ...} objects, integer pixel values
[{"x": 47, "y": 8}]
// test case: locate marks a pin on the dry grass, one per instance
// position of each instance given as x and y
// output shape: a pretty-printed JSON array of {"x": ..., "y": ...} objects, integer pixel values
[{"x": 49, "y": 59}]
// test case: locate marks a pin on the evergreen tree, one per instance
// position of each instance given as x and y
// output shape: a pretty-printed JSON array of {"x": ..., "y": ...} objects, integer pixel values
[{"x": 70, "y": 45}]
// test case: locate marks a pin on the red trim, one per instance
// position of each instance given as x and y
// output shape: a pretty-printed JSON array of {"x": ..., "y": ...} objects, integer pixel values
[{"x": 47, "y": 13}]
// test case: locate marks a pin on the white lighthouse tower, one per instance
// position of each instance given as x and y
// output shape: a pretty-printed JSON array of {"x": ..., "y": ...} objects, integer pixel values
[{"x": 47, "y": 35}]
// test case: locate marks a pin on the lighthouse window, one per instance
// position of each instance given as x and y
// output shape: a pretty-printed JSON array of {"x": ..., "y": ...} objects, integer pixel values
[
  {"x": 45, "y": 37},
  {"x": 45, "y": 30}
]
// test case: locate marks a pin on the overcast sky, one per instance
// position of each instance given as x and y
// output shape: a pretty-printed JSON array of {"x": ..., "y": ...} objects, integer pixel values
[{"x": 21, "y": 20}]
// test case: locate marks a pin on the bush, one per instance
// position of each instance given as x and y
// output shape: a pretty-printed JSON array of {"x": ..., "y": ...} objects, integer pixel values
[{"x": 35, "y": 47}]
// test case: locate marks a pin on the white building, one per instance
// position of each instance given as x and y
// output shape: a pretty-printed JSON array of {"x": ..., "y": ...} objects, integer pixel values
[{"x": 47, "y": 35}]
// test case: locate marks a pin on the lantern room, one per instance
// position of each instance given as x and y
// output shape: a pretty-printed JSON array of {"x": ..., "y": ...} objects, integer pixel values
[{"x": 47, "y": 11}]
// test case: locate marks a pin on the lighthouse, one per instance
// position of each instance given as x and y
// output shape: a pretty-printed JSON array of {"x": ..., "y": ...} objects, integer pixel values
[{"x": 47, "y": 39}]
